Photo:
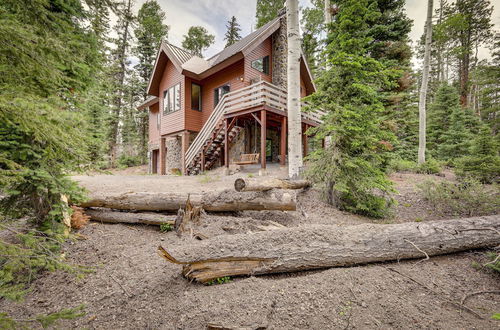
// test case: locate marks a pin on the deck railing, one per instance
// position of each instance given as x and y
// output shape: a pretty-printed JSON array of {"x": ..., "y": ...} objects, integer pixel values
[{"x": 245, "y": 98}]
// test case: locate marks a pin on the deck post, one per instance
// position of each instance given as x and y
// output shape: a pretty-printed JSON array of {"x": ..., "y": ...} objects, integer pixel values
[
  {"x": 184, "y": 148},
  {"x": 163, "y": 156},
  {"x": 305, "y": 140},
  {"x": 202, "y": 160},
  {"x": 263, "y": 136},
  {"x": 283, "y": 142},
  {"x": 226, "y": 144}
]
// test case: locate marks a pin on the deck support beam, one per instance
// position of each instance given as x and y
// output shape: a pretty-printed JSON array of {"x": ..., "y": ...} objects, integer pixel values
[
  {"x": 163, "y": 156},
  {"x": 283, "y": 142},
  {"x": 305, "y": 140},
  {"x": 226, "y": 143},
  {"x": 263, "y": 137}
]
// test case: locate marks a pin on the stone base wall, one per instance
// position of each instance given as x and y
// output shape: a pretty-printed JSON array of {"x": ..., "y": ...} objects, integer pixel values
[
  {"x": 280, "y": 49},
  {"x": 174, "y": 154}
]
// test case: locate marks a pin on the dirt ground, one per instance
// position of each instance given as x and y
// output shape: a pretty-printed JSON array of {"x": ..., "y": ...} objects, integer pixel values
[{"x": 131, "y": 287}]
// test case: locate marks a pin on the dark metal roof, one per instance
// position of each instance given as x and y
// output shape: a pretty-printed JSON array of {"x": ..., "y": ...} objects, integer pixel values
[{"x": 182, "y": 55}]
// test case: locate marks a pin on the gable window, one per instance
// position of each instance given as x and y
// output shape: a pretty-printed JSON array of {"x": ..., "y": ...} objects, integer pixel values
[
  {"x": 261, "y": 64},
  {"x": 172, "y": 99},
  {"x": 220, "y": 92},
  {"x": 195, "y": 97}
]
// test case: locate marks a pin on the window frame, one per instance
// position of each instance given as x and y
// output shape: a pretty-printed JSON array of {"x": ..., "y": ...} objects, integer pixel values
[
  {"x": 200, "y": 104},
  {"x": 216, "y": 94},
  {"x": 171, "y": 103},
  {"x": 264, "y": 67}
]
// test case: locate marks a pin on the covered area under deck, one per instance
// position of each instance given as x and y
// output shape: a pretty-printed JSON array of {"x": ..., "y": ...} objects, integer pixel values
[{"x": 265, "y": 133}]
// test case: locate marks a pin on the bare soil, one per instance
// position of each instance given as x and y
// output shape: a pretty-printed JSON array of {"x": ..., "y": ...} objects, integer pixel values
[{"x": 131, "y": 287}]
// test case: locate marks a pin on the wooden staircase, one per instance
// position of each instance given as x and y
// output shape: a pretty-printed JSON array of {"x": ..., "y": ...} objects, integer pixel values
[{"x": 207, "y": 147}]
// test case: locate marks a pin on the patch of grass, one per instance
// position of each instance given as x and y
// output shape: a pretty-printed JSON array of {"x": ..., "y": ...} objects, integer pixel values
[
  {"x": 220, "y": 280},
  {"x": 166, "y": 227},
  {"x": 495, "y": 261},
  {"x": 496, "y": 316},
  {"x": 205, "y": 178},
  {"x": 418, "y": 219},
  {"x": 250, "y": 175},
  {"x": 431, "y": 166},
  {"x": 466, "y": 198},
  {"x": 45, "y": 320}
]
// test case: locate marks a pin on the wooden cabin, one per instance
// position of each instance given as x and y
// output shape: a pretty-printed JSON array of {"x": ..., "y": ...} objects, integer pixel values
[{"x": 205, "y": 113}]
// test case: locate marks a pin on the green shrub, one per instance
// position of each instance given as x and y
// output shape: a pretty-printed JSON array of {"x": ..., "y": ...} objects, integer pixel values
[
  {"x": 484, "y": 168},
  {"x": 129, "y": 161},
  {"x": 469, "y": 197},
  {"x": 220, "y": 280},
  {"x": 166, "y": 227},
  {"x": 495, "y": 261},
  {"x": 431, "y": 166},
  {"x": 402, "y": 165}
]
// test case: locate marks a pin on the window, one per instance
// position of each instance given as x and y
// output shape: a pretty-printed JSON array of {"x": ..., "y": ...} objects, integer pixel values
[
  {"x": 172, "y": 99},
  {"x": 261, "y": 64},
  {"x": 195, "y": 97},
  {"x": 220, "y": 92}
]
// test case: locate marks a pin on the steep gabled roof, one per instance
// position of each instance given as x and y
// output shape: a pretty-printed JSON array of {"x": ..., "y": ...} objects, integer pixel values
[{"x": 199, "y": 68}]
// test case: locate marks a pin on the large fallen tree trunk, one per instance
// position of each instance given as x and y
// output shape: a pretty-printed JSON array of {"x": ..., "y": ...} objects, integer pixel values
[
  {"x": 242, "y": 184},
  {"x": 129, "y": 217},
  {"x": 215, "y": 202},
  {"x": 320, "y": 246}
]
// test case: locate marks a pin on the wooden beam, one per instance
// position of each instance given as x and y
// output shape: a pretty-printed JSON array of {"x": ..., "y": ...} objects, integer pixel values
[
  {"x": 263, "y": 135},
  {"x": 226, "y": 146},
  {"x": 257, "y": 118},
  {"x": 163, "y": 154},
  {"x": 202, "y": 160},
  {"x": 283, "y": 142}
]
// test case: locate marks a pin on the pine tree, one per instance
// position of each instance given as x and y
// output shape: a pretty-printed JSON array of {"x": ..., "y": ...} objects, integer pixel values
[
  {"x": 352, "y": 168},
  {"x": 456, "y": 140},
  {"x": 197, "y": 40},
  {"x": 445, "y": 101},
  {"x": 149, "y": 32},
  {"x": 312, "y": 24},
  {"x": 119, "y": 71},
  {"x": 233, "y": 32},
  {"x": 267, "y": 10}
]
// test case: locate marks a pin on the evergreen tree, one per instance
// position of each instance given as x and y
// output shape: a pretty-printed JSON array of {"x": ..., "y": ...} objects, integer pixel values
[
  {"x": 233, "y": 32},
  {"x": 312, "y": 26},
  {"x": 149, "y": 32},
  {"x": 267, "y": 10},
  {"x": 484, "y": 163},
  {"x": 456, "y": 140},
  {"x": 119, "y": 71},
  {"x": 48, "y": 61},
  {"x": 445, "y": 101},
  {"x": 352, "y": 167},
  {"x": 197, "y": 40}
]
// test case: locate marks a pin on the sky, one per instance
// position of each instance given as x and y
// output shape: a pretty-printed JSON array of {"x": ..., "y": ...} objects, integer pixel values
[{"x": 214, "y": 14}]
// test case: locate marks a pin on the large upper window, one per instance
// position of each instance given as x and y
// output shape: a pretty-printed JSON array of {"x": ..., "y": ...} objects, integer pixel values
[
  {"x": 172, "y": 99},
  {"x": 195, "y": 97},
  {"x": 261, "y": 64},
  {"x": 220, "y": 92}
]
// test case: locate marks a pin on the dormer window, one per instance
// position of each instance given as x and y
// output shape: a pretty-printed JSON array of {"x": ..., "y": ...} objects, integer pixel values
[{"x": 261, "y": 64}]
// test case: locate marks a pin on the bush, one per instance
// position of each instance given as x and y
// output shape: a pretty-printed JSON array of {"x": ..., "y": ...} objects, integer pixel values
[
  {"x": 431, "y": 166},
  {"x": 495, "y": 261},
  {"x": 469, "y": 197},
  {"x": 129, "y": 161},
  {"x": 483, "y": 168}
]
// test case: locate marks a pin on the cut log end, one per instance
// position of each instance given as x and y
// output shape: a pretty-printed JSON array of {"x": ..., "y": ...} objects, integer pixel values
[{"x": 239, "y": 184}]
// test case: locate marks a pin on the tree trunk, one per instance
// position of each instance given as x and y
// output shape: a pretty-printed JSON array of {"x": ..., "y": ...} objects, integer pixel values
[
  {"x": 322, "y": 246},
  {"x": 328, "y": 12},
  {"x": 129, "y": 217},
  {"x": 423, "y": 88},
  {"x": 293, "y": 91},
  {"x": 224, "y": 201},
  {"x": 252, "y": 185}
]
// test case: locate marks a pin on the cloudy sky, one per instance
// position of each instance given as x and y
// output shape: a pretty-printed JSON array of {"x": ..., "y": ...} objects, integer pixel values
[{"x": 214, "y": 14}]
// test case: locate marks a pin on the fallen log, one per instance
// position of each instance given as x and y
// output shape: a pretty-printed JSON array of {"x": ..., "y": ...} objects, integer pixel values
[
  {"x": 242, "y": 184},
  {"x": 323, "y": 246},
  {"x": 129, "y": 217},
  {"x": 223, "y": 201}
]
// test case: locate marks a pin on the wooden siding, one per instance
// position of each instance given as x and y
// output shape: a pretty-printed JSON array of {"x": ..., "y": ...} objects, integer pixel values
[
  {"x": 193, "y": 118},
  {"x": 230, "y": 75},
  {"x": 264, "y": 49},
  {"x": 174, "y": 121},
  {"x": 154, "y": 133}
]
